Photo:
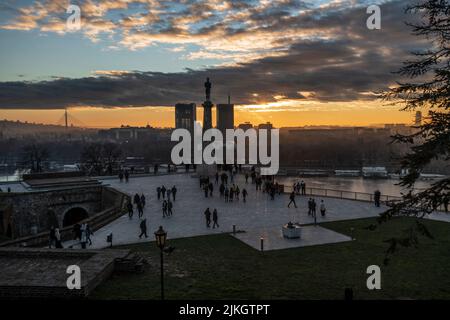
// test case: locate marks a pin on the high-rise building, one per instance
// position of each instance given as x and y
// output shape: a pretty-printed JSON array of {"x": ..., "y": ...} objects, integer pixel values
[
  {"x": 418, "y": 120},
  {"x": 225, "y": 117},
  {"x": 266, "y": 125},
  {"x": 245, "y": 126},
  {"x": 185, "y": 116}
]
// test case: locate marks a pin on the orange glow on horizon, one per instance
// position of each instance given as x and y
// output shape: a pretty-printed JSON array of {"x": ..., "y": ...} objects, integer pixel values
[{"x": 280, "y": 114}]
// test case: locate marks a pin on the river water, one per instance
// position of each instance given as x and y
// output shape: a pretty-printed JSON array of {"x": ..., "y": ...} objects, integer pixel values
[{"x": 353, "y": 184}]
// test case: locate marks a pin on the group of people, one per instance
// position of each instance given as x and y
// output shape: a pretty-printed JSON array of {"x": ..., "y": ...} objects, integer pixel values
[
  {"x": 312, "y": 205},
  {"x": 232, "y": 192},
  {"x": 124, "y": 175},
  {"x": 81, "y": 232},
  {"x": 215, "y": 218},
  {"x": 163, "y": 192},
  {"x": 55, "y": 238},
  {"x": 299, "y": 187},
  {"x": 139, "y": 202}
]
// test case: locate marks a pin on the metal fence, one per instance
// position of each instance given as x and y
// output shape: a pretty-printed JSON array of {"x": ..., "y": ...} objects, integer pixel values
[{"x": 350, "y": 195}]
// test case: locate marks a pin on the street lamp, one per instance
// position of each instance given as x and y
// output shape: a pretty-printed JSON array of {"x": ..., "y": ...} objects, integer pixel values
[{"x": 161, "y": 236}]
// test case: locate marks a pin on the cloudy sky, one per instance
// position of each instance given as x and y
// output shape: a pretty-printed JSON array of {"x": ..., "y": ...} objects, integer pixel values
[{"x": 285, "y": 61}]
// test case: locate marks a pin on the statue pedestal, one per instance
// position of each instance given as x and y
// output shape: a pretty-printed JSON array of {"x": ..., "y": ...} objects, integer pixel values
[{"x": 293, "y": 232}]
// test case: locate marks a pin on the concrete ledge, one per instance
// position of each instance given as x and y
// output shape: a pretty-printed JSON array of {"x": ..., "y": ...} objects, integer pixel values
[{"x": 41, "y": 273}]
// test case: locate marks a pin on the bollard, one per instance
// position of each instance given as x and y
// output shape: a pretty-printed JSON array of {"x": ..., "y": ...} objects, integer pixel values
[
  {"x": 262, "y": 244},
  {"x": 348, "y": 294}
]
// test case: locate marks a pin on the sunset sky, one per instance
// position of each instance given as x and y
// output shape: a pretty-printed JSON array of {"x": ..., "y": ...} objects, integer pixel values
[{"x": 289, "y": 62}]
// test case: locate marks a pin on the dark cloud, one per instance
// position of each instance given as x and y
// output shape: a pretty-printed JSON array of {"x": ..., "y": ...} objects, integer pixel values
[{"x": 345, "y": 67}]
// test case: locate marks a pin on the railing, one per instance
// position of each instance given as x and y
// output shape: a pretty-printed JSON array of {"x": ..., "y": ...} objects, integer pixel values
[
  {"x": 350, "y": 195},
  {"x": 343, "y": 194}
]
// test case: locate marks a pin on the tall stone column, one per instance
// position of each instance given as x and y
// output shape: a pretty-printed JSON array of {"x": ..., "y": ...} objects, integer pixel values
[{"x": 207, "y": 107}]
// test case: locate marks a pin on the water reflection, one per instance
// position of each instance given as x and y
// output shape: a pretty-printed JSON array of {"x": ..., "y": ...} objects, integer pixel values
[{"x": 386, "y": 186}]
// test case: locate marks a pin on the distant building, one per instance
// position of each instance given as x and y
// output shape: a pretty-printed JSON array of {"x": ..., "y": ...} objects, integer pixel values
[
  {"x": 245, "y": 126},
  {"x": 185, "y": 116},
  {"x": 225, "y": 117},
  {"x": 418, "y": 119},
  {"x": 266, "y": 125},
  {"x": 126, "y": 133},
  {"x": 154, "y": 136}
]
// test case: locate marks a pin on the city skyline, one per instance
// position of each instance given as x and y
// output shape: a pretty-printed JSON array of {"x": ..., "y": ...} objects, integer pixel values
[{"x": 289, "y": 62}]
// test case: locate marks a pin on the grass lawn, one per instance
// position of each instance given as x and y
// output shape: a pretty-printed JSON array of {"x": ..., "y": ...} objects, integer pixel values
[{"x": 222, "y": 267}]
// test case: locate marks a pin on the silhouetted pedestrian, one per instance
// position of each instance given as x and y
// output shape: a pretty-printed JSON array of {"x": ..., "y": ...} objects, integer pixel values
[
  {"x": 143, "y": 200},
  {"x": 158, "y": 192},
  {"x": 208, "y": 217},
  {"x": 164, "y": 208},
  {"x": 215, "y": 219},
  {"x": 130, "y": 209},
  {"x": 143, "y": 227},
  {"x": 244, "y": 194},
  {"x": 292, "y": 199},
  {"x": 174, "y": 193},
  {"x": 322, "y": 208}
]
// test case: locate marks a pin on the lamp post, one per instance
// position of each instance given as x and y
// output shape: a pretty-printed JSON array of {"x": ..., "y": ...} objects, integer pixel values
[{"x": 161, "y": 236}]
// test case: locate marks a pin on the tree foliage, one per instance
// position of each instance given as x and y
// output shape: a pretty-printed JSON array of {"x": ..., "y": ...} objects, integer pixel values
[
  {"x": 428, "y": 89},
  {"x": 100, "y": 158}
]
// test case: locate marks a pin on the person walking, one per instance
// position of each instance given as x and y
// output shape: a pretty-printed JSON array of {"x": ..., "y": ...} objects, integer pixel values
[
  {"x": 313, "y": 207},
  {"x": 83, "y": 239},
  {"x": 163, "y": 192},
  {"x": 137, "y": 199},
  {"x": 211, "y": 189},
  {"x": 58, "y": 244},
  {"x": 120, "y": 176},
  {"x": 303, "y": 187},
  {"x": 377, "y": 196},
  {"x": 217, "y": 177},
  {"x": 164, "y": 208},
  {"x": 89, "y": 233},
  {"x": 244, "y": 194},
  {"x": 227, "y": 194},
  {"x": 208, "y": 217},
  {"x": 309, "y": 206},
  {"x": 143, "y": 227},
  {"x": 140, "y": 209},
  {"x": 292, "y": 199},
  {"x": 127, "y": 175},
  {"x": 215, "y": 219},
  {"x": 169, "y": 207},
  {"x": 52, "y": 238},
  {"x": 76, "y": 231},
  {"x": 174, "y": 193},
  {"x": 158, "y": 192},
  {"x": 143, "y": 201},
  {"x": 221, "y": 189},
  {"x": 322, "y": 208},
  {"x": 130, "y": 209},
  {"x": 246, "y": 177}
]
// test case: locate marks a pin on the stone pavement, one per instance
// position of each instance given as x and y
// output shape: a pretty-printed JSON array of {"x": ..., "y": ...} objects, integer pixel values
[
  {"x": 273, "y": 238},
  {"x": 188, "y": 218}
]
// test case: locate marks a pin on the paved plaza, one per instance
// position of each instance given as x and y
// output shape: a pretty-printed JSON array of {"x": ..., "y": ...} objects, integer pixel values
[
  {"x": 273, "y": 238},
  {"x": 188, "y": 219}
]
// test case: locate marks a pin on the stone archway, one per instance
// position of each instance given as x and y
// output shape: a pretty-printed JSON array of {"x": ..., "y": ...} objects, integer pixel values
[{"x": 74, "y": 215}]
